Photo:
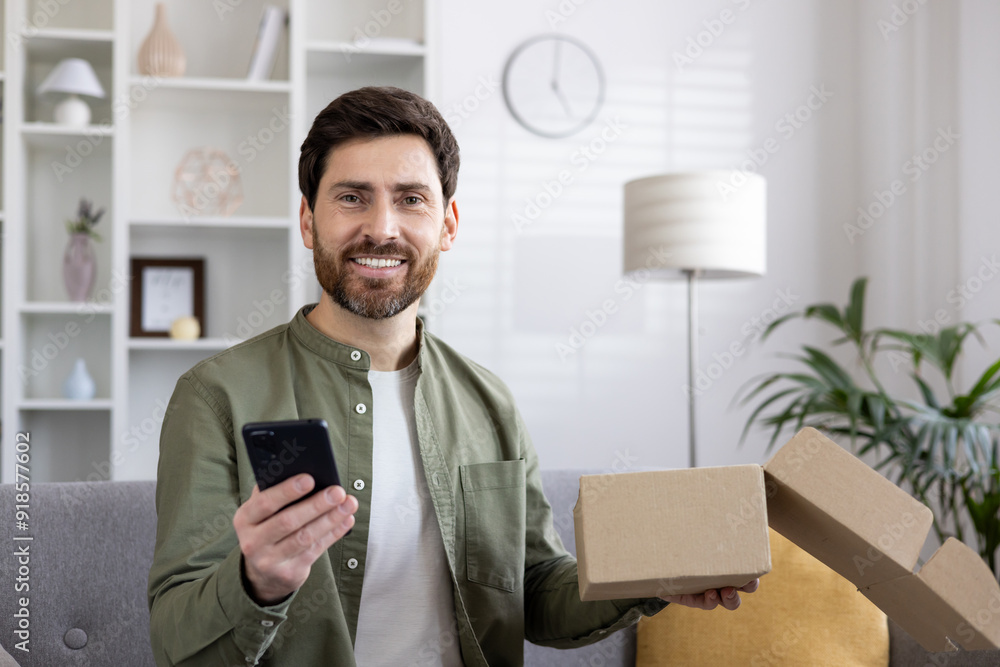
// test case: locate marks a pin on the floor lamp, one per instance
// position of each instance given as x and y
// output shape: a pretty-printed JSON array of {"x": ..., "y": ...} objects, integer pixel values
[{"x": 695, "y": 225}]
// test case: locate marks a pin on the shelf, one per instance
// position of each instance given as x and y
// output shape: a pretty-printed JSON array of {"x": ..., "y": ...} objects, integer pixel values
[
  {"x": 57, "y": 43},
  {"x": 168, "y": 344},
  {"x": 50, "y": 129},
  {"x": 209, "y": 93},
  {"x": 65, "y": 404},
  {"x": 211, "y": 84},
  {"x": 53, "y": 135},
  {"x": 66, "y": 308},
  {"x": 376, "y": 46},
  {"x": 233, "y": 222}
]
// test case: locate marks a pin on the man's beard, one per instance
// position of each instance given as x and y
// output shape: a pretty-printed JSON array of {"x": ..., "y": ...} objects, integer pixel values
[{"x": 374, "y": 298}]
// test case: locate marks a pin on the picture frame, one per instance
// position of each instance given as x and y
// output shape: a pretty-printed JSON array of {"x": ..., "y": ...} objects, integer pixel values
[{"x": 163, "y": 289}]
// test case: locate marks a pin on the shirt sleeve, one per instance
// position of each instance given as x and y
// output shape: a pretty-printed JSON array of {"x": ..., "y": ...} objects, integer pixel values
[
  {"x": 200, "y": 612},
  {"x": 554, "y": 615}
]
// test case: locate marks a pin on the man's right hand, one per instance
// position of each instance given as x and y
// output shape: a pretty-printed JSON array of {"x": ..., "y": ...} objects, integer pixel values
[{"x": 279, "y": 547}]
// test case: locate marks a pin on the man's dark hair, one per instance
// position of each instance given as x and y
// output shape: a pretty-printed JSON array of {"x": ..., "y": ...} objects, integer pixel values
[{"x": 370, "y": 113}]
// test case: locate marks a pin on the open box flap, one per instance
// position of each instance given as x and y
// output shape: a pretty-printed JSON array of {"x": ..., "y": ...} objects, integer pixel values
[
  {"x": 845, "y": 514},
  {"x": 868, "y": 530},
  {"x": 953, "y": 597}
]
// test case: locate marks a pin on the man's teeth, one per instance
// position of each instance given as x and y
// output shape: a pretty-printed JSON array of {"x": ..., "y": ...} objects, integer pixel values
[{"x": 377, "y": 263}]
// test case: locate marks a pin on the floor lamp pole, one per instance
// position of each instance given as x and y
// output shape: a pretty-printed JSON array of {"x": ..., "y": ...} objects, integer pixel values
[{"x": 692, "y": 281}]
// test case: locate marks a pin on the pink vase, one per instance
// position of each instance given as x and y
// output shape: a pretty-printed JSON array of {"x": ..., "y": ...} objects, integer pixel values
[
  {"x": 79, "y": 267},
  {"x": 161, "y": 54}
]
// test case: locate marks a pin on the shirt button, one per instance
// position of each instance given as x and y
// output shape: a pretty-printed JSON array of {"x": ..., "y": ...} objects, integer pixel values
[
  {"x": 359, "y": 484},
  {"x": 434, "y": 479},
  {"x": 360, "y": 408},
  {"x": 267, "y": 624},
  {"x": 352, "y": 563},
  {"x": 355, "y": 355}
]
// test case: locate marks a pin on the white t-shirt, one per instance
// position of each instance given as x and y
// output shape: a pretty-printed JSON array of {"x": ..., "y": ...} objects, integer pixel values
[{"x": 407, "y": 613}]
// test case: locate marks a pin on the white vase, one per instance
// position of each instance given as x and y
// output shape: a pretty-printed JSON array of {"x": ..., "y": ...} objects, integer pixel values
[{"x": 78, "y": 385}]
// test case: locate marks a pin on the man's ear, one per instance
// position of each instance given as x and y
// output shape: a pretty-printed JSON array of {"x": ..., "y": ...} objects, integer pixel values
[
  {"x": 306, "y": 223},
  {"x": 450, "y": 229}
]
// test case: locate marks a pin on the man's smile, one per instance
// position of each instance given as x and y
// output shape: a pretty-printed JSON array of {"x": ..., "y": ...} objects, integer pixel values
[{"x": 376, "y": 262}]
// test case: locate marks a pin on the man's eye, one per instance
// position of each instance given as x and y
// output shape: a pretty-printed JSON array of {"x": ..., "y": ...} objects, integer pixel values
[
  {"x": 412, "y": 200},
  {"x": 351, "y": 199}
]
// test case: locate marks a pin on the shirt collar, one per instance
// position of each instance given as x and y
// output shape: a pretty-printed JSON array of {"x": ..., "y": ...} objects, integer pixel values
[{"x": 328, "y": 348}]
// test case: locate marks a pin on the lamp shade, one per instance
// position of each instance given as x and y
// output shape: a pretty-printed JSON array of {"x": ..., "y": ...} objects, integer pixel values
[
  {"x": 696, "y": 221},
  {"x": 74, "y": 76}
]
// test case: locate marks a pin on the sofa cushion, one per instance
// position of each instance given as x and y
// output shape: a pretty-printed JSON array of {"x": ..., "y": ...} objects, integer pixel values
[
  {"x": 89, "y": 560},
  {"x": 803, "y": 614},
  {"x": 6, "y": 660}
]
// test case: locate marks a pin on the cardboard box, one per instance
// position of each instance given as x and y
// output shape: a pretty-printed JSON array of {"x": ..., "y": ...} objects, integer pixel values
[
  {"x": 639, "y": 534},
  {"x": 870, "y": 531},
  {"x": 685, "y": 531}
]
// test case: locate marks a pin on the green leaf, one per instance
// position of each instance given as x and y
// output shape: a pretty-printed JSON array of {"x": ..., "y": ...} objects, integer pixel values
[
  {"x": 927, "y": 392},
  {"x": 828, "y": 313},
  {"x": 855, "y": 312}
]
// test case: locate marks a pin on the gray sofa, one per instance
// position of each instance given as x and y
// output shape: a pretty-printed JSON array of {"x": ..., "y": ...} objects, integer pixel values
[{"x": 90, "y": 553}]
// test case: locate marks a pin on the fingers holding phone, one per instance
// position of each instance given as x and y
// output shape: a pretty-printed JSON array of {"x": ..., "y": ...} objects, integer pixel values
[{"x": 281, "y": 538}]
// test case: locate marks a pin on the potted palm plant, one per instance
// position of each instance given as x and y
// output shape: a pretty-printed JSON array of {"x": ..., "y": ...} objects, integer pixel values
[{"x": 936, "y": 441}]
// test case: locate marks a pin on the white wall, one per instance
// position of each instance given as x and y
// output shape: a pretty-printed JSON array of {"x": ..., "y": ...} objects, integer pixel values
[
  {"x": 620, "y": 396},
  {"x": 901, "y": 74}
]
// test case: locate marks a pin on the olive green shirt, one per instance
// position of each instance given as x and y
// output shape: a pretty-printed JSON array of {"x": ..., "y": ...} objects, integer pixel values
[{"x": 510, "y": 575}]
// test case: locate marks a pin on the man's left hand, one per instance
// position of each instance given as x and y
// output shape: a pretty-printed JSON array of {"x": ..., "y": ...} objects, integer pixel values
[{"x": 728, "y": 597}]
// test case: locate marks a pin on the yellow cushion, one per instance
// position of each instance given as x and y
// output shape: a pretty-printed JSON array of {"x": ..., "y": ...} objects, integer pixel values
[{"x": 803, "y": 614}]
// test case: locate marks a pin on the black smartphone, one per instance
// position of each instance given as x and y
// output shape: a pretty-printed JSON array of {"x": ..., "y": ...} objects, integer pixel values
[{"x": 282, "y": 449}]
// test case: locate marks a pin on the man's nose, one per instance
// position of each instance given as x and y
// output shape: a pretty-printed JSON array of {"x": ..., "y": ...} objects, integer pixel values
[{"x": 382, "y": 223}]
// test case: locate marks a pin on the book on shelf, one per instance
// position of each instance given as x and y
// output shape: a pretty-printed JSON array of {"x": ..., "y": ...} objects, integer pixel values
[{"x": 265, "y": 49}]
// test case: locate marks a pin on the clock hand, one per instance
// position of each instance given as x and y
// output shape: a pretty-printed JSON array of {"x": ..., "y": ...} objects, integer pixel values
[
  {"x": 562, "y": 99},
  {"x": 555, "y": 80}
]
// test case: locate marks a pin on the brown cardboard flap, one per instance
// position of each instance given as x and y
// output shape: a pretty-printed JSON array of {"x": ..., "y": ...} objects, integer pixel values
[
  {"x": 670, "y": 532},
  {"x": 954, "y": 596},
  {"x": 847, "y": 515}
]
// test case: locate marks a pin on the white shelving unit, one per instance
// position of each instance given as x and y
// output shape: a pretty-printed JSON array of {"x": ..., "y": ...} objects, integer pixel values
[{"x": 257, "y": 274}]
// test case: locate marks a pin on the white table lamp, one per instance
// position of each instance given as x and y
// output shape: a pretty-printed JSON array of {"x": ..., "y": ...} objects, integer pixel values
[
  {"x": 695, "y": 225},
  {"x": 74, "y": 76}
]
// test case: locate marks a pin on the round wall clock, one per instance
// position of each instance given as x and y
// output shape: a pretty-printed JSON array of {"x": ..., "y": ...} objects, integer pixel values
[{"x": 553, "y": 85}]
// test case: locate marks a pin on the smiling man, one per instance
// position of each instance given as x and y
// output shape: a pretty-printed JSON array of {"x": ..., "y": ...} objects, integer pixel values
[{"x": 444, "y": 553}]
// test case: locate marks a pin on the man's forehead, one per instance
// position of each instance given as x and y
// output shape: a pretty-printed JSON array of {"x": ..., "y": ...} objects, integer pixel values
[{"x": 398, "y": 149}]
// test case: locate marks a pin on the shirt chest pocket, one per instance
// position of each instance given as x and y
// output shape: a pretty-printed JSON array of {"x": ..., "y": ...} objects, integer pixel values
[{"x": 494, "y": 498}]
